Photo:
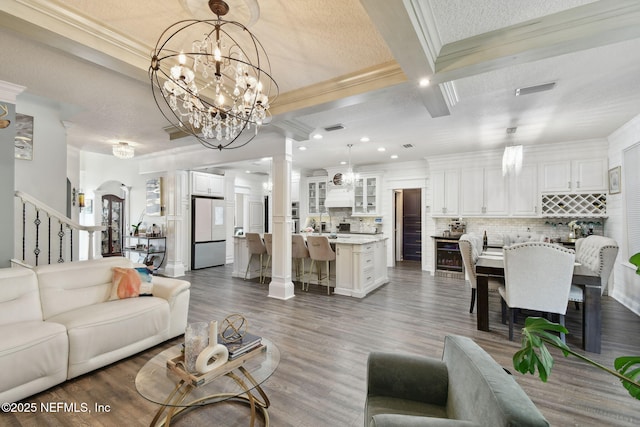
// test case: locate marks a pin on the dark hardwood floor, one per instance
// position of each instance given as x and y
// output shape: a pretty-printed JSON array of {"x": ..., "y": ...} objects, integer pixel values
[{"x": 324, "y": 342}]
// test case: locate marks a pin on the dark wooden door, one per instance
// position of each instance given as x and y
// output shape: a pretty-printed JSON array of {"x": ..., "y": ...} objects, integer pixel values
[{"x": 411, "y": 225}]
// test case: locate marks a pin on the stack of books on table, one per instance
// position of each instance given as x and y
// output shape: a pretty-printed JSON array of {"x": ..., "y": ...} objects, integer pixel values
[{"x": 237, "y": 348}]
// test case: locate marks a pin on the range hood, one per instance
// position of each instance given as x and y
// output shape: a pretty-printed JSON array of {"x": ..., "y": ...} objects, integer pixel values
[{"x": 339, "y": 198}]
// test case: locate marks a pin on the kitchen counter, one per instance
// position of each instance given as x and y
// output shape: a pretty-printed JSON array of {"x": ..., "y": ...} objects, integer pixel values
[{"x": 359, "y": 268}]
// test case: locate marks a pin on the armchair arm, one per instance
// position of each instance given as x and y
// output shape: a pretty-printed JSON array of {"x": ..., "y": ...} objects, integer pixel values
[
  {"x": 418, "y": 378},
  {"x": 400, "y": 420}
]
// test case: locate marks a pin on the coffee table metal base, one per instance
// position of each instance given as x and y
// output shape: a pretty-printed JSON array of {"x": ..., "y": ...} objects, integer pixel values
[{"x": 174, "y": 405}]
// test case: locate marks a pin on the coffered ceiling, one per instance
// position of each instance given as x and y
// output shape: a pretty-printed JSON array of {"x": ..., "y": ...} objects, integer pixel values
[{"x": 356, "y": 63}]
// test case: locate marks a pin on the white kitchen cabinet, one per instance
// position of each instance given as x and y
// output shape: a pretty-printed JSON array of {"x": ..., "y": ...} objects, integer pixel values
[
  {"x": 316, "y": 195},
  {"x": 574, "y": 175},
  {"x": 366, "y": 196},
  {"x": 523, "y": 193},
  {"x": 360, "y": 268},
  {"x": 483, "y": 192},
  {"x": 206, "y": 184},
  {"x": 446, "y": 190}
]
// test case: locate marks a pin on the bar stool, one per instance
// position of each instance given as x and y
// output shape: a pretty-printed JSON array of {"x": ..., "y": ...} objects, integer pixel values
[
  {"x": 268, "y": 239},
  {"x": 299, "y": 252},
  {"x": 320, "y": 250},
  {"x": 256, "y": 248}
]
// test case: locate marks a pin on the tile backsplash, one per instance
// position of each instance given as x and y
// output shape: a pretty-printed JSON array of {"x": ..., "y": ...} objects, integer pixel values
[{"x": 497, "y": 227}]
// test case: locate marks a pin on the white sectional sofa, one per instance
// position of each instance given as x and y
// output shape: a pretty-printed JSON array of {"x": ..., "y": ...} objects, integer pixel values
[{"x": 57, "y": 322}]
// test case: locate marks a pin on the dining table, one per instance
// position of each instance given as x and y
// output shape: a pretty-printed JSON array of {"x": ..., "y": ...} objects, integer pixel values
[{"x": 491, "y": 264}]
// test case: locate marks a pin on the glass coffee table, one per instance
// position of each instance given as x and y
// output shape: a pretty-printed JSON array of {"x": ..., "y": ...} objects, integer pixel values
[{"x": 159, "y": 384}]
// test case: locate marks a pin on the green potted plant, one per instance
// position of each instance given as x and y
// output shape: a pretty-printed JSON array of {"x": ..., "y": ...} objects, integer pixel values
[{"x": 534, "y": 355}]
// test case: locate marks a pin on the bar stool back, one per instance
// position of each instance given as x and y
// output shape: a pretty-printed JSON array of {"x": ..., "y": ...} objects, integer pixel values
[
  {"x": 268, "y": 240},
  {"x": 299, "y": 252},
  {"x": 320, "y": 250},
  {"x": 256, "y": 249}
]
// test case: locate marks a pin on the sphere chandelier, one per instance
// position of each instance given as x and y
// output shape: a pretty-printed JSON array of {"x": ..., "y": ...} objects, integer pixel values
[{"x": 218, "y": 88}]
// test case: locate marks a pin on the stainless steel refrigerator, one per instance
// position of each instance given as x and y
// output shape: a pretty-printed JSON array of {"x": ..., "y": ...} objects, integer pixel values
[{"x": 208, "y": 232}]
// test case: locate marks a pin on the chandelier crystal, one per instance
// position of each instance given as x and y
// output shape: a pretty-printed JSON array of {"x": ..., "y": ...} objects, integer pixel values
[
  {"x": 212, "y": 79},
  {"x": 123, "y": 150},
  {"x": 349, "y": 178}
]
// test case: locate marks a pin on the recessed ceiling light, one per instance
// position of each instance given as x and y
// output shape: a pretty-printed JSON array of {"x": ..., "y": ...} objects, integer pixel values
[
  {"x": 364, "y": 139},
  {"x": 317, "y": 136},
  {"x": 247, "y": 171},
  {"x": 302, "y": 148},
  {"x": 424, "y": 82},
  {"x": 381, "y": 149},
  {"x": 343, "y": 162},
  {"x": 394, "y": 156}
]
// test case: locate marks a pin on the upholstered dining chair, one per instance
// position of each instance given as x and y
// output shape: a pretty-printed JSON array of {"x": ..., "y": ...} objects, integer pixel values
[
  {"x": 268, "y": 244},
  {"x": 537, "y": 277},
  {"x": 319, "y": 251},
  {"x": 598, "y": 254},
  {"x": 299, "y": 252},
  {"x": 470, "y": 248},
  {"x": 512, "y": 238},
  {"x": 256, "y": 249}
]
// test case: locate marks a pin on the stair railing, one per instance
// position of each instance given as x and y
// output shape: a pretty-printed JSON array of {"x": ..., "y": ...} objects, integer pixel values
[{"x": 46, "y": 236}]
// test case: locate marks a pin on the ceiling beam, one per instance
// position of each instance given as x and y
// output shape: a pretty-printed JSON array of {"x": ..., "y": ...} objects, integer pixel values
[
  {"x": 580, "y": 28},
  {"x": 405, "y": 27}
]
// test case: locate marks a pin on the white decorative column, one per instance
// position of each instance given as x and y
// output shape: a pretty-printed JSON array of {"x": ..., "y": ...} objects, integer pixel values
[
  {"x": 176, "y": 199},
  {"x": 281, "y": 286}
]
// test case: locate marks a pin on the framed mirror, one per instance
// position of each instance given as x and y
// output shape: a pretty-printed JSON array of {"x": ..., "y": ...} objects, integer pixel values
[{"x": 154, "y": 197}]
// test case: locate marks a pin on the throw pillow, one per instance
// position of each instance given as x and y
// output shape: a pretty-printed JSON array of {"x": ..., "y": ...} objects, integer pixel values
[
  {"x": 146, "y": 287},
  {"x": 125, "y": 283}
]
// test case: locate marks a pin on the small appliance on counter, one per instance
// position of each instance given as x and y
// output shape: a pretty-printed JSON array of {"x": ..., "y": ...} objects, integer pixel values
[
  {"x": 344, "y": 227},
  {"x": 457, "y": 228}
]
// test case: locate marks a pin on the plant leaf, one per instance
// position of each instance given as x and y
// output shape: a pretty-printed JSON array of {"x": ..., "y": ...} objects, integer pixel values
[
  {"x": 629, "y": 366},
  {"x": 635, "y": 260}
]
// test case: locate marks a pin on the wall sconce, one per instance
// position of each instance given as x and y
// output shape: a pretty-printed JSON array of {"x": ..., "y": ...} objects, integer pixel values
[{"x": 81, "y": 200}]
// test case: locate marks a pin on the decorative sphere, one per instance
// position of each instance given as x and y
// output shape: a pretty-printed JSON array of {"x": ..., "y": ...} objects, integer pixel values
[{"x": 233, "y": 328}]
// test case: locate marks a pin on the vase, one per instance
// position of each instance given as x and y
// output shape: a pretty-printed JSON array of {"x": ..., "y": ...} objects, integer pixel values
[
  {"x": 572, "y": 235},
  {"x": 196, "y": 339},
  {"x": 214, "y": 355}
]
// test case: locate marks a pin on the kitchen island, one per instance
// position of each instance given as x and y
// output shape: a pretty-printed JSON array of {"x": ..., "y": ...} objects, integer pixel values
[{"x": 359, "y": 268}]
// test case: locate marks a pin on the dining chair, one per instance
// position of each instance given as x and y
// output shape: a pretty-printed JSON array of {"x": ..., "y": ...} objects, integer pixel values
[
  {"x": 470, "y": 245},
  {"x": 268, "y": 244},
  {"x": 299, "y": 252},
  {"x": 512, "y": 238},
  {"x": 598, "y": 254},
  {"x": 256, "y": 249},
  {"x": 537, "y": 277},
  {"x": 319, "y": 251}
]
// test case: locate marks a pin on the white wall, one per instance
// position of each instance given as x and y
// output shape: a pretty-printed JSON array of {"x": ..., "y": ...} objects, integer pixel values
[
  {"x": 626, "y": 284},
  {"x": 49, "y": 164}
]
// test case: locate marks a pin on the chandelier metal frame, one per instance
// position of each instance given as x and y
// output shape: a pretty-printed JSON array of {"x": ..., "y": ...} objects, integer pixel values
[{"x": 215, "y": 90}]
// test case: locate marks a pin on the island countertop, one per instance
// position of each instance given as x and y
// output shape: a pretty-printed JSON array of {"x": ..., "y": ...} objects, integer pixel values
[{"x": 345, "y": 239}]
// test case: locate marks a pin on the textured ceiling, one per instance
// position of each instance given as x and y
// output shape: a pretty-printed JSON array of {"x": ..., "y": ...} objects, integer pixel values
[{"x": 105, "y": 96}]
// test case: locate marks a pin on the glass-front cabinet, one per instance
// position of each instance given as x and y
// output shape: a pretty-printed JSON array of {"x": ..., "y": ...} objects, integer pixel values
[
  {"x": 317, "y": 193},
  {"x": 113, "y": 220},
  {"x": 365, "y": 196}
]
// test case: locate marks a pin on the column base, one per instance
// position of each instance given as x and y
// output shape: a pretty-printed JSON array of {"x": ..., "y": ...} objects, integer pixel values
[{"x": 281, "y": 289}]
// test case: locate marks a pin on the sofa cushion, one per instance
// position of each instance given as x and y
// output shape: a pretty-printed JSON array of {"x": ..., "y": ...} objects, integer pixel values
[
  {"x": 401, "y": 420},
  {"x": 19, "y": 296},
  {"x": 33, "y": 357},
  {"x": 99, "y": 329},
  {"x": 391, "y": 405},
  {"x": 71, "y": 285}
]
